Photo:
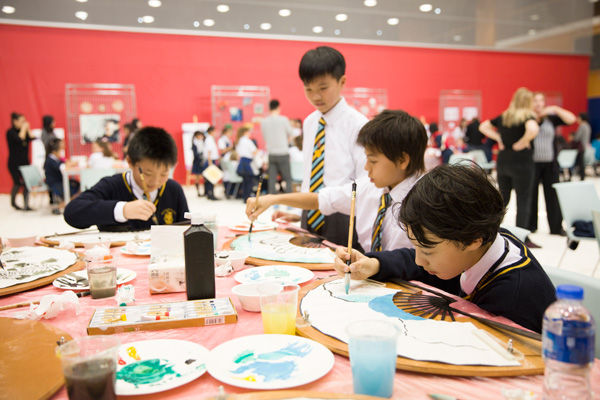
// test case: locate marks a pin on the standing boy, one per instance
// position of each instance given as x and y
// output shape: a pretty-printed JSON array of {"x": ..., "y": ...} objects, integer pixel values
[
  {"x": 137, "y": 199},
  {"x": 211, "y": 156}
]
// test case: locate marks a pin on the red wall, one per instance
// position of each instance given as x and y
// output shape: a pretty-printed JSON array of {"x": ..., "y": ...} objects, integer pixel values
[{"x": 173, "y": 74}]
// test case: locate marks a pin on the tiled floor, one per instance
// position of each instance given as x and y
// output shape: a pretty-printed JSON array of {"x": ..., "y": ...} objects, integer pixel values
[{"x": 42, "y": 222}]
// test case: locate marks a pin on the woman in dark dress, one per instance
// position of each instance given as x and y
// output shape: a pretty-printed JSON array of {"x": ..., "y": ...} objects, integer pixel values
[{"x": 18, "y": 138}]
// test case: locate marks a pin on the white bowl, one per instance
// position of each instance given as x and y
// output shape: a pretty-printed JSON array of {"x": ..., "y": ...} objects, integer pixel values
[
  {"x": 22, "y": 241},
  {"x": 248, "y": 295},
  {"x": 237, "y": 258}
]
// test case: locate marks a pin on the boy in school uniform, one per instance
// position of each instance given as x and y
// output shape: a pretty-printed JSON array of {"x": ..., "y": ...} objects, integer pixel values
[
  {"x": 394, "y": 145},
  {"x": 53, "y": 171},
  {"x": 331, "y": 155},
  {"x": 137, "y": 199},
  {"x": 452, "y": 216}
]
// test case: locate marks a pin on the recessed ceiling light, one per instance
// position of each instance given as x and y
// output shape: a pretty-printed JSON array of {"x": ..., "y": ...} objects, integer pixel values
[
  {"x": 222, "y": 8},
  {"x": 425, "y": 7},
  {"x": 438, "y": 11},
  {"x": 532, "y": 32},
  {"x": 370, "y": 3},
  {"x": 246, "y": 26},
  {"x": 82, "y": 15},
  {"x": 196, "y": 24},
  {"x": 154, "y": 3},
  {"x": 8, "y": 9},
  {"x": 534, "y": 17},
  {"x": 148, "y": 19},
  {"x": 82, "y": 1},
  {"x": 265, "y": 26},
  {"x": 457, "y": 38},
  {"x": 285, "y": 12},
  {"x": 208, "y": 22},
  {"x": 337, "y": 31},
  {"x": 393, "y": 21},
  {"x": 293, "y": 29},
  {"x": 140, "y": 20},
  {"x": 379, "y": 32},
  {"x": 593, "y": 1},
  {"x": 317, "y": 29},
  {"x": 341, "y": 17}
]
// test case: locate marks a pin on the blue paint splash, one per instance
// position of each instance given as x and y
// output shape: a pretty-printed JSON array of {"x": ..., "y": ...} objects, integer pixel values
[
  {"x": 274, "y": 365},
  {"x": 385, "y": 305},
  {"x": 147, "y": 372}
]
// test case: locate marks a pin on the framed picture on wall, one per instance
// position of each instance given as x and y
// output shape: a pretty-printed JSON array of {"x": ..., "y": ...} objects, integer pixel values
[{"x": 94, "y": 127}]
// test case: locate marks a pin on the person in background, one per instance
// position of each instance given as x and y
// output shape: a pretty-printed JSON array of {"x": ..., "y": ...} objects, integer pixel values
[
  {"x": 198, "y": 151},
  {"x": 211, "y": 156},
  {"x": 225, "y": 146},
  {"x": 18, "y": 137},
  {"x": 53, "y": 169},
  {"x": 277, "y": 131},
  {"x": 296, "y": 150},
  {"x": 296, "y": 124},
  {"x": 48, "y": 125},
  {"x": 102, "y": 155},
  {"x": 246, "y": 150},
  {"x": 136, "y": 123},
  {"x": 581, "y": 141},
  {"x": 128, "y": 132},
  {"x": 111, "y": 131}
]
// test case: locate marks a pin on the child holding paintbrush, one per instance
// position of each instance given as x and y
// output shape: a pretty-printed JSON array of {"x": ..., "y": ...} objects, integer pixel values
[{"x": 137, "y": 199}]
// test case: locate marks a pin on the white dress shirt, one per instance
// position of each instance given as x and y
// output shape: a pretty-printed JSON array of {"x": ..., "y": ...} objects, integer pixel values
[
  {"x": 210, "y": 148},
  {"x": 138, "y": 192},
  {"x": 344, "y": 159},
  {"x": 368, "y": 198},
  {"x": 224, "y": 142},
  {"x": 245, "y": 147}
]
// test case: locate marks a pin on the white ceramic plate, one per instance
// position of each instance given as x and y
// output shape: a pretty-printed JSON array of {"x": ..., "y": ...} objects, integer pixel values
[
  {"x": 269, "y": 361},
  {"x": 152, "y": 366},
  {"x": 270, "y": 273},
  {"x": 142, "y": 250},
  {"x": 257, "y": 227},
  {"x": 123, "y": 276}
]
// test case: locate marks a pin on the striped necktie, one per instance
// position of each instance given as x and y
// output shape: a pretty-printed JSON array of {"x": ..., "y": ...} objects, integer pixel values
[
  {"x": 385, "y": 202},
  {"x": 315, "y": 219}
]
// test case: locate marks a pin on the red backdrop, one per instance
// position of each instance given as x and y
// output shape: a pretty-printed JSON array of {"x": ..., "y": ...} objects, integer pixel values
[{"x": 173, "y": 74}]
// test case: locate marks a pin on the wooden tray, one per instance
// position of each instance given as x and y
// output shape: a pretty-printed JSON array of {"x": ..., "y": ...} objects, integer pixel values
[
  {"x": 295, "y": 394},
  {"x": 31, "y": 369},
  {"x": 531, "y": 365},
  {"x": 49, "y": 242},
  {"x": 42, "y": 281}
]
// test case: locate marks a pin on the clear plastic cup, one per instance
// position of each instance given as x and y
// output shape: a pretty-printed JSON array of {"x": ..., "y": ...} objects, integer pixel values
[
  {"x": 210, "y": 221},
  {"x": 102, "y": 277},
  {"x": 278, "y": 305}
]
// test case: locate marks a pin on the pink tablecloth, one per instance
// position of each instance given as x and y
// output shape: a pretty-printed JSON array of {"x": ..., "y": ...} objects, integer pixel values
[{"x": 406, "y": 385}]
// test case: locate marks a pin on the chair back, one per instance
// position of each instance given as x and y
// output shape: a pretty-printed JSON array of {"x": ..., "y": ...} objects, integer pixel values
[
  {"x": 596, "y": 223},
  {"x": 296, "y": 168},
  {"x": 577, "y": 200},
  {"x": 91, "y": 176},
  {"x": 230, "y": 169},
  {"x": 519, "y": 233},
  {"x": 33, "y": 178},
  {"x": 480, "y": 159},
  {"x": 566, "y": 158},
  {"x": 460, "y": 158}
]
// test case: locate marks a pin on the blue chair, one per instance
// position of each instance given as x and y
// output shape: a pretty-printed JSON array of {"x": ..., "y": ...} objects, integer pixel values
[
  {"x": 566, "y": 161},
  {"x": 90, "y": 176}
]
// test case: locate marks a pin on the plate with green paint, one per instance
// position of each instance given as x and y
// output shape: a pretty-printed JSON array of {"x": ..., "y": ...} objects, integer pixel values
[
  {"x": 151, "y": 366},
  {"x": 271, "y": 273}
]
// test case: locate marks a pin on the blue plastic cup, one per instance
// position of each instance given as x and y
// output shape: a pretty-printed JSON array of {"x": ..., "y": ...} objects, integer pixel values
[{"x": 372, "y": 346}]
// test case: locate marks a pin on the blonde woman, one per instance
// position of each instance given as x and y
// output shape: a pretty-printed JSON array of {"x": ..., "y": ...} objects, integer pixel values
[{"x": 514, "y": 130}]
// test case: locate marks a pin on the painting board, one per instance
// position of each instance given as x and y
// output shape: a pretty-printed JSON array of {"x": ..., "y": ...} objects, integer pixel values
[
  {"x": 117, "y": 239},
  {"x": 531, "y": 365},
  {"x": 295, "y": 395}
]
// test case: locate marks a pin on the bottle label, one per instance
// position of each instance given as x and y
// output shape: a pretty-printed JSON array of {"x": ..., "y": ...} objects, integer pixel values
[{"x": 568, "y": 341}]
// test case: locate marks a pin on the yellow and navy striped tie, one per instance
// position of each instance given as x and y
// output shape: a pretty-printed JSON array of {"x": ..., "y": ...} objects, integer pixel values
[
  {"x": 386, "y": 199},
  {"x": 315, "y": 219}
]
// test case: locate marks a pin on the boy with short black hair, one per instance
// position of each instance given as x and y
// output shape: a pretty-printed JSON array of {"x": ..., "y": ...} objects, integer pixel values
[
  {"x": 452, "y": 216},
  {"x": 394, "y": 144},
  {"x": 137, "y": 199},
  {"x": 54, "y": 173}
]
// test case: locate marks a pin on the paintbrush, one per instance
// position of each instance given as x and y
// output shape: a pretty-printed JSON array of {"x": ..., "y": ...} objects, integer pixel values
[
  {"x": 260, "y": 181},
  {"x": 350, "y": 232},
  {"x": 147, "y": 195},
  {"x": 73, "y": 233},
  {"x": 26, "y": 303}
]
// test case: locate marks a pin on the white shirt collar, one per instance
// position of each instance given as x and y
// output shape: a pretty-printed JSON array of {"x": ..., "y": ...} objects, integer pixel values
[
  {"x": 471, "y": 277},
  {"x": 138, "y": 192},
  {"x": 336, "y": 112},
  {"x": 400, "y": 191}
]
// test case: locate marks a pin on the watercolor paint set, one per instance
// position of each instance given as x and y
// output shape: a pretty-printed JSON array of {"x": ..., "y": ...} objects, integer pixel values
[{"x": 158, "y": 316}]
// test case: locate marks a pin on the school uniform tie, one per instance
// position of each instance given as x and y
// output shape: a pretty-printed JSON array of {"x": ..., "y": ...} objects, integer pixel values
[
  {"x": 315, "y": 219},
  {"x": 384, "y": 203}
]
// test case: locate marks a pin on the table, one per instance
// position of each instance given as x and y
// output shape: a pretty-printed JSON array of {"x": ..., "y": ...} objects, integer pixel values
[
  {"x": 406, "y": 385},
  {"x": 73, "y": 171}
]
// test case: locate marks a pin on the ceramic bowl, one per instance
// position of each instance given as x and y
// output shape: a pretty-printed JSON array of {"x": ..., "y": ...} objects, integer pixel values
[
  {"x": 248, "y": 295},
  {"x": 22, "y": 241},
  {"x": 237, "y": 258}
]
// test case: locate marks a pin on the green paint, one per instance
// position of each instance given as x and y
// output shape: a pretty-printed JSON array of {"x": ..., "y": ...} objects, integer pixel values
[
  {"x": 277, "y": 273},
  {"x": 146, "y": 371},
  {"x": 244, "y": 357}
]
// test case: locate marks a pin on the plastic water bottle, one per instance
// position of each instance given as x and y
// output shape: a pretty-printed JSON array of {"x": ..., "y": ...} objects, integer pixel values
[{"x": 568, "y": 346}]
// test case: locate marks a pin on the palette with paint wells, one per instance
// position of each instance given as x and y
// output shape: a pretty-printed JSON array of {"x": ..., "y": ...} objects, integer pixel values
[{"x": 151, "y": 317}]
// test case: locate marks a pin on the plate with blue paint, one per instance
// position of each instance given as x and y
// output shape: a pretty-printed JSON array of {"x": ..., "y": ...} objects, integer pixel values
[
  {"x": 269, "y": 361},
  {"x": 275, "y": 273},
  {"x": 151, "y": 366}
]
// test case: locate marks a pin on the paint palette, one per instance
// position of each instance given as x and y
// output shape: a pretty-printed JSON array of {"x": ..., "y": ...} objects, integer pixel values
[
  {"x": 269, "y": 361},
  {"x": 270, "y": 273},
  {"x": 135, "y": 249},
  {"x": 257, "y": 227},
  {"x": 152, "y": 366}
]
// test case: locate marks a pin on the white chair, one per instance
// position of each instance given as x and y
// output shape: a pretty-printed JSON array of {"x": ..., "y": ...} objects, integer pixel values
[
  {"x": 596, "y": 222},
  {"x": 460, "y": 158},
  {"x": 90, "y": 176},
  {"x": 577, "y": 200},
  {"x": 566, "y": 161},
  {"x": 296, "y": 168},
  {"x": 34, "y": 182},
  {"x": 480, "y": 159},
  {"x": 519, "y": 233},
  {"x": 230, "y": 170},
  {"x": 591, "y": 288}
]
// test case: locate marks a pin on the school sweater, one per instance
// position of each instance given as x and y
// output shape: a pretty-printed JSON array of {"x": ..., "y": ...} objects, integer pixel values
[
  {"x": 517, "y": 289},
  {"x": 52, "y": 171},
  {"x": 96, "y": 205}
]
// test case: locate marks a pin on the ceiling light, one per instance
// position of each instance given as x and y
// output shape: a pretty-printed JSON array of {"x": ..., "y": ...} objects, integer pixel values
[
  {"x": 293, "y": 29},
  {"x": 370, "y": 3},
  {"x": 246, "y": 26},
  {"x": 285, "y": 12},
  {"x": 341, "y": 17},
  {"x": 82, "y": 15},
  {"x": 148, "y": 19},
  {"x": 393, "y": 21},
  {"x": 154, "y": 3},
  {"x": 196, "y": 24},
  {"x": 457, "y": 38},
  {"x": 265, "y": 26},
  {"x": 208, "y": 22},
  {"x": 140, "y": 20},
  {"x": 337, "y": 31},
  {"x": 425, "y": 7},
  {"x": 222, "y": 8},
  {"x": 379, "y": 32},
  {"x": 532, "y": 32},
  {"x": 8, "y": 9},
  {"x": 534, "y": 17},
  {"x": 82, "y": 1},
  {"x": 438, "y": 11},
  {"x": 593, "y": 1},
  {"x": 317, "y": 29}
]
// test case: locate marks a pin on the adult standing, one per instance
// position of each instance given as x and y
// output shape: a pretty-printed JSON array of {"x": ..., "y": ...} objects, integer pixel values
[
  {"x": 276, "y": 130},
  {"x": 48, "y": 135},
  {"x": 18, "y": 138},
  {"x": 514, "y": 130},
  {"x": 545, "y": 152},
  {"x": 581, "y": 141}
]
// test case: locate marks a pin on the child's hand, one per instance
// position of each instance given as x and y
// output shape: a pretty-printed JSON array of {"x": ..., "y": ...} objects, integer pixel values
[
  {"x": 255, "y": 208},
  {"x": 139, "y": 209},
  {"x": 362, "y": 267},
  {"x": 286, "y": 216}
]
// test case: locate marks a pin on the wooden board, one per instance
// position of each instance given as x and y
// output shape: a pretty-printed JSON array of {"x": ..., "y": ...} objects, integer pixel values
[
  {"x": 49, "y": 242},
  {"x": 261, "y": 262},
  {"x": 531, "y": 365},
  {"x": 79, "y": 265},
  {"x": 30, "y": 369},
  {"x": 294, "y": 394}
]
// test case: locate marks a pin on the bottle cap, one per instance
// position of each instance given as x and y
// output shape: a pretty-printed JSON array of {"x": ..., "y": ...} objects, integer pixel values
[
  {"x": 196, "y": 218},
  {"x": 569, "y": 292}
]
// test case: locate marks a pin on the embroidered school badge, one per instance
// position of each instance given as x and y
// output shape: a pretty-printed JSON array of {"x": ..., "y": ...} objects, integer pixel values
[{"x": 168, "y": 216}]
